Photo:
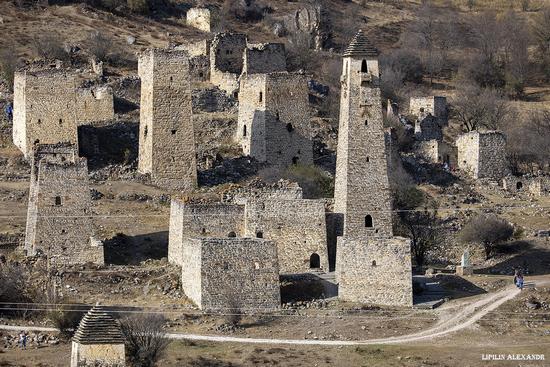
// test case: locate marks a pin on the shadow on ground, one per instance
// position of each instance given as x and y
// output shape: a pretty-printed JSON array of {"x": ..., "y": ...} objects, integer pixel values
[
  {"x": 306, "y": 287},
  {"x": 132, "y": 250}
]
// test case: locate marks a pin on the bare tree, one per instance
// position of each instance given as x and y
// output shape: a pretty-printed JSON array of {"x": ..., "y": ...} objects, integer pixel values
[
  {"x": 145, "y": 338},
  {"x": 49, "y": 47},
  {"x": 487, "y": 230},
  {"x": 100, "y": 45},
  {"x": 477, "y": 107},
  {"x": 516, "y": 55},
  {"x": 541, "y": 32},
  {"x": 8, "y": 65}
]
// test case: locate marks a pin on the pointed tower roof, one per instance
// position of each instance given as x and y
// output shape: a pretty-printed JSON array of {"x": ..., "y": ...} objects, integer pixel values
[
  {"x": 98, "y": 327},
  {"x": 361, "y": 46}
]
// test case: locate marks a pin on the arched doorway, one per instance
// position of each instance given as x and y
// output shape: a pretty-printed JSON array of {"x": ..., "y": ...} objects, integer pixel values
[
  {"x": 314, "y": 261},
  {"x": 364, "y": 68},
  {"x": 368, "y": 221},
  {"x": 519, "y": 185},
  {"x": 259, "y": 234}
]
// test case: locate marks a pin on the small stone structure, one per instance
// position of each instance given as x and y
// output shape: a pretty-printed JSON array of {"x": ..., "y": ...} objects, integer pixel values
[
  {"x": 482, "y": 154},
  {"x": 465, "y": 267},
  {"x": 297, "y": 227},
  {"x": 534, "y": 185},
  {"x": 188, "y": 220},
  {"x": 362, "y": 189},
  {"x": 433, "y": 105},
  {"x": 264, "y": 58},
  {"x": 259, "y": 190},
  {"x": 98, "y": 341},
  {"x": 307, "y": 20},
  {"x": 274, "y": 120},
  {"x": 226, "y": 60},
  {"x": 375, "y": 271},
  {"x": 436, "y": 151},
  {"x": 49, "y": 105},
  {"x": 231, "y": 274},
  {"x": 428, "y": 127},
  {"x": 199, "y": 18},
  {"x": 199, "y": 59},
  {"x": 166, "y": 138},
  {"x": 59, "y": 222}
]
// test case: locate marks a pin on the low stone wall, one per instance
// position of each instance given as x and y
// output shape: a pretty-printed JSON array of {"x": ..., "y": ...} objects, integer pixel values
[{"x": 83, "y": 355}]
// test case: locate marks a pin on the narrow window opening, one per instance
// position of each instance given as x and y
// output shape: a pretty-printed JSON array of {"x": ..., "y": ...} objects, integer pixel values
[
  {"x": 366, "y": 122},
  {"x": 58, "y": 201},
  {"x": 373, "y": 262},
  {"x": 259, "y": 234},
  {"x": 244, "y": 130},
  {"x": 201, "y": 75},
  {"x": 289, "y": 127},
  {"x": 519, "y": 185},
  {"x": 60, "y": 121},
  {"x": 173, "y": 132},
  {"x": 261, "y": 96},
  {"x": 145, "y": 131},
  {"x": 294, "y": 160},
  {"x": 39, "y": 121},
  {"x": 368, "y": 159},
  {"x": 235, "y": 94},
  {"x": 314, "y": 261},
  {"x": 364, "y": 68},
  {"x": 368, "y": 221}
]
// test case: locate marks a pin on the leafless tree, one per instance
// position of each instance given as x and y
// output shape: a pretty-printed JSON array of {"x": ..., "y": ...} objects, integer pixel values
[
  {"x": 145, "y": 338},
  {"x": 541, "y": 32},
  {"x": 487, "y": 230},
  {"x": 8, "y": 65},
  {"x": 516, "y": 55},
  {"x": 100, "y": 45},
  {"x": 49, "y": 47},
  {"x": 477, "y": 107}
]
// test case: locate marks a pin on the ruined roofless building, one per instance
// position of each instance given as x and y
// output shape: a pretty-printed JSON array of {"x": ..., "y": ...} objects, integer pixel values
[
  {"x": 49, "y": 106},
  {"x": 58, "y": 217},
  {"x": 166, "y": 137},
  {"x": 274, "y": 121},
  {"x": 362, "y": 190},
  {"x": 98, "y": 341},
  {"x": 482, "y": 154}
]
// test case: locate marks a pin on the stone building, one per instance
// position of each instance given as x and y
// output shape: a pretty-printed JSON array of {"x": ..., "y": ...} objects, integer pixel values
[
  {"x": 375, "y": 271},
  {"x": 297, "y": 227},
  {"x": 199, "y": 18},
  {"x": 428, "y": 127},
  {"x": 59, "y": 222},
  {"x": 199, "y": 59},
  {"x": 274, "y": 119},
  {"x": 482, "y": 154},
  {"x": 259, "y": 190},
  {"x": 533, "y": 185},
  {"x": 307, "y": 20},
  {"x": 98, "y": 341},
  {"x": 362, "y": 190},
  {"x": 166, "y": 138},
  {"x": 433, "y": 105},
  {"x": 49, "y": 106},
  {"x": 436, "y": 151},
  {"x": 226, "y": 60},
  {"x": 264, "y": 58},
  {"x": 231, "y": 274},
  {"x": 188, "y": 220}
]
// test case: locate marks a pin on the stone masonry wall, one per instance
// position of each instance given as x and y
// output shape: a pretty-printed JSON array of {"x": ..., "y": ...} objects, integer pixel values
[
  {"x": 536, "y": 186},
  {"x": 297, "y": 227},
  {"x": 91, "y": 354},
  {"x": 201, "y": 220},
  {"x": 48, "y": 107},
  {"x": 362, "y": 191},
  {"x": 226, "y": 60},
  {"x": 435, "y": 151},
  {"x": 375, "y": 271},
  {"x": 199, "y": 18},
  {"x": 233, "y": 273},
  {"x": 435, "y": 105},
  {"x": 281, "y": 190},
  {"x": 274, "y": 119},
  {"x": 166, "y": 137},
  {"x": 59, "y": 222},
  {"x": 264, "y": 58},
  {"x": 483, "y": 154}
]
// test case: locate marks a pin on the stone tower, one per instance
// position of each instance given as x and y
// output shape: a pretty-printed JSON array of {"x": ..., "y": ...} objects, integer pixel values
[
  {"x": 58, "y": 217},
  {"x": 166, "y": 140},
  {"x": 274, "y": 121},
  {"x": 362, "y": 190}
]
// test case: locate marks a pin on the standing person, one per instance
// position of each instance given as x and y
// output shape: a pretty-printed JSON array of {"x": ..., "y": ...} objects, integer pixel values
[
  {"x": 9, "y": 111},
  {"x": 22, "y": 341},
  {"x": 519, "y": 281}
]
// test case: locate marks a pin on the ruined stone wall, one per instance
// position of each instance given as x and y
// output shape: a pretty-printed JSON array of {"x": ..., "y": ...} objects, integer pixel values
[
  {"x": 483, "y": 154},
  {"x": 94, "y": 105},
  {"x": 435, "y": 151},
  {"x": 92, "y": 354},
  {"x": 59, "y": 222},
  {"x": 427, "y": 127},
  {"x": 264, "y": 58},
  {"x": 199, "y": 18},
  {"x": 226, "y": 60},
  {"x": 274, "y": 119},
  {"x": 307, "y": 20},
  {"x": 362, "y": 190},
  {"x": 375, "y": 271},
  {"x": 282, "y": 190},
  {"x": 435, "y": 105},
  {"x": 297, "y": 227},
  {"x": 233, "y": 273},
  {"x": 197, "y": 48},
  {"x": 201, "y": 220},
  {"x": 199, "y": 59},
  {"x": 536, "y": 186},
  {"x": 44, "y": 109},
  {"x": 166, "y": 137}
]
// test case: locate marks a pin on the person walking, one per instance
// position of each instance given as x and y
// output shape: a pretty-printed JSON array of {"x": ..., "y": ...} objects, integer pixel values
[
  {"x": 518, "y": 279},
  {"x": 9, "y": 112}
]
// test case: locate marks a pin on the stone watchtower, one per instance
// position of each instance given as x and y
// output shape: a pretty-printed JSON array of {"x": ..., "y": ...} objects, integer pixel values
[
  {"x": 98, "y": 341},
  {"x": 166, "y": 140},
  {"x": 59, "y": 222},
  {"x": 362, "y": 190}
]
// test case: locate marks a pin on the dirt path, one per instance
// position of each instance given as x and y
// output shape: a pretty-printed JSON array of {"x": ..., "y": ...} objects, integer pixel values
[{"x": 466, "y": 316}]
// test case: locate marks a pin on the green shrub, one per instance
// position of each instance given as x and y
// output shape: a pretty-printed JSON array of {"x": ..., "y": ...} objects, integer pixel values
[{"x": 314, "y": 182}]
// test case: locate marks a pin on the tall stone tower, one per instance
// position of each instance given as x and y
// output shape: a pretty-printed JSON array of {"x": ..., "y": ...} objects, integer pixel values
[
  {"x": 166, "y": 140},
  {"x": 59, "y": 222},
  {"x": 362, "y": 190}
]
